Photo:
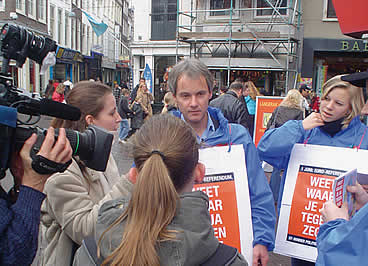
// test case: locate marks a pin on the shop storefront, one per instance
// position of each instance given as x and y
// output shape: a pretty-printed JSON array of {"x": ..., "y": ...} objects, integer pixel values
[
  {"x": 108, "y": 70},
  {"x": 93, "y": 65},
  {"x": 325, "y": 58},
  {"x": 268, "y": 82},
  {"x": 122, "y": 72},
  {"x": 67, "y": 65},
  {"x": 162, "y": 66}
]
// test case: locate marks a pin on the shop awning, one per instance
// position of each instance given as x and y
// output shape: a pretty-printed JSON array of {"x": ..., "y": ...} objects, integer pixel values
[{"x": 66, "y": 54}]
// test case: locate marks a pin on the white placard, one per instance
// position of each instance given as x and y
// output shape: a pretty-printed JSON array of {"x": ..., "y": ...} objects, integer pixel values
[
  {"x": 226, "y": 172},
  {"x": 312, "y": 167}
]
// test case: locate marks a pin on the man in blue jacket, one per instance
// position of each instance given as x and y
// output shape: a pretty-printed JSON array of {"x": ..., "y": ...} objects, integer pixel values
[{"x": 191, "y": 83}]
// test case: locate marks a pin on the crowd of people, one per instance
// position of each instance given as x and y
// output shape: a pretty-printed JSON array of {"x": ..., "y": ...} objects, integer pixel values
[{"x": 152, "y": 216}]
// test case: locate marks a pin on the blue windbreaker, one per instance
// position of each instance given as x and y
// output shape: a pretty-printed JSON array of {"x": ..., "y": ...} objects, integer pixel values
[
  {"x": 342, "y": 242},
  {"x": 276, "y": 144},
  {"x": 261, "y": 199},
  {"x": 275, "y": 148}
]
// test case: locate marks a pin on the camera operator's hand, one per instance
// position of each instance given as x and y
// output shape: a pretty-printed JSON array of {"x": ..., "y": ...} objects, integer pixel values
[{"x": 61, "y": 152}]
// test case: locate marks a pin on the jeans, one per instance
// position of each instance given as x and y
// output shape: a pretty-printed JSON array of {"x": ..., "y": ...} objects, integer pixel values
[{"x": 124, "y": 129}]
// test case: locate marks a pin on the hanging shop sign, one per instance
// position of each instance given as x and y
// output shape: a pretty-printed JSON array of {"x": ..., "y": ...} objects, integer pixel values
[{"x": 69, "y": 55}]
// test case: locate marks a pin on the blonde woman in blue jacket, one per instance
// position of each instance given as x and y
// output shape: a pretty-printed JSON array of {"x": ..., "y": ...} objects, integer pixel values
[{"x": 338, "y": 124}]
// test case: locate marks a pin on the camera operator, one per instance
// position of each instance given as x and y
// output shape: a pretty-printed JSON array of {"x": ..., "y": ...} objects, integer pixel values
[{"x": 20, "y": 209}]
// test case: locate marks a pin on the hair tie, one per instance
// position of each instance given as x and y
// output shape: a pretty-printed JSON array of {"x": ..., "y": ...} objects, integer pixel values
[{"x": 159, "y": 153}]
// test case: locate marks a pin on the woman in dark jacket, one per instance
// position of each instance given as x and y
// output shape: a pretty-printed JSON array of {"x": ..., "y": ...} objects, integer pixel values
[
  {"x": 137, "y": 119},
  {"x": 289, "y": 109}
]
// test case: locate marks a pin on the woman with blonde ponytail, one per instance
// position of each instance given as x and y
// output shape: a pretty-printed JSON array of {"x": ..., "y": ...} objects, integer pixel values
[{"x": 164, "y": 222}]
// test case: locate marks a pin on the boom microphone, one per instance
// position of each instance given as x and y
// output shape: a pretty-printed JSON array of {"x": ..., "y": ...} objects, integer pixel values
[
  {"x": 51, "y": 108},
  {"x": 59, "y": 110}
]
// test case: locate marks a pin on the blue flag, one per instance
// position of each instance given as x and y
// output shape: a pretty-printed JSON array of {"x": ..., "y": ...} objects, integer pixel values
[
  {"x": 147, "y": 74},
  {"x": 98, "y": 27}
]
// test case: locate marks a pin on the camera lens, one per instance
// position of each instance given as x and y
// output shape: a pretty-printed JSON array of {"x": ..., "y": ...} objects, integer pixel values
[{"x": 19, "y": 43}]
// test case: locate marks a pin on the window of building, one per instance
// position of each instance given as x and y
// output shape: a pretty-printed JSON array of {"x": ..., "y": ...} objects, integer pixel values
[
  {"x": 142, "y": 62},
  {"x": 93, "y": 7},
  {"x": 93, "y": 38},
  {"x": 59, "y": 23},
  {"x": 21, "y": 6},
  {"x": 163, "y": 20},
  {"x": 32, "y": 8},
  {"x": 78, "y": 36},
  {"x": 52, "y": 21},
  {"x": 268, "y": 10},
  {"x": 66, "y": 29},
  {"x": 220, "y": 6},
  {"x": 42, "y": 10},
  {"x": 2, "y": 5},
  {"x": 84, "y": 39},
  {"x": 73, "y": 22},
  {"x": 329, "y": 11},
  {"x": 88, "y": 30}
]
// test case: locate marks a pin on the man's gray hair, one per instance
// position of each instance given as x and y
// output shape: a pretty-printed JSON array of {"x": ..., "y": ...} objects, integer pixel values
[
  {"x": 192, "y": 68},
  {"x": 236, "y": 86}
]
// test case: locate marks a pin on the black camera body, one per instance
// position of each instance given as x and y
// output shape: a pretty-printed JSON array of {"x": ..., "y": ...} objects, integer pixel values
[{"x": 93, "y": 146}]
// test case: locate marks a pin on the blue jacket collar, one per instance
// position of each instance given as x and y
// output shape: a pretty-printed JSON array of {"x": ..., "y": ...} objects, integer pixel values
[{"x": 220, "y": 122}]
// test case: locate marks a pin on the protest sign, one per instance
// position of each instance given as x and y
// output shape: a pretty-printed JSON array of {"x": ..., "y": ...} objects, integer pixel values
[
  {"x": 265, "y": 105},
  {"x": 310, "y": 175},
  {"x": 226, "y": 185},
  {"x": 340, "y": 194}
]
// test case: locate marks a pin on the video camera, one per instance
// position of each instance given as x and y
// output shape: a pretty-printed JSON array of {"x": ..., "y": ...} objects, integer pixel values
[{"x": 93, "y": 146}]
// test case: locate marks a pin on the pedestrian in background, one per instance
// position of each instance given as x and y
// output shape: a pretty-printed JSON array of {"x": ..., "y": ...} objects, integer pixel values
[
  {"x": 291, "y": 108},
  {"x": 145, "y": 98},
  {"x": 250, "y": 101},
  {"x": 305, "y": 90},
  {"x": 169, "y": 103},
  {"x": 49, "y": 89},
  {"x": 231, "y": 106},
  {"x": 124, "y": 112},
  {"x": 58, "y": 94},
  {"x": 117, "y": 92},
  {"x": 137, "y": 119},
  {"x": 133, "y": 94}
]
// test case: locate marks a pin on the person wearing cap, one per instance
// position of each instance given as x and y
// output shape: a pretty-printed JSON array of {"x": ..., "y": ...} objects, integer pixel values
[
  {"x": 304, "y": 90},
  {"x": 337, "y": 124}
]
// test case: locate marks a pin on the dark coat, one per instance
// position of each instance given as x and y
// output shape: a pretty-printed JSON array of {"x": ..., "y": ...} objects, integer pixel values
[
  {"x": 232, "y": 108},
  {"x": 19, "y": 226},
  {"x": 133, "y": 94},
  {"x": 137, "y": 120},
  {"x": 282, "y": 114},
  {"x": 124, "y": 109},
  {"x": 49, "y": 91}
]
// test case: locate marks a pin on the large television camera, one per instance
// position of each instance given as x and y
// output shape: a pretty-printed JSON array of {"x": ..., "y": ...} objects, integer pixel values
[{"x": 93, "y": 146}]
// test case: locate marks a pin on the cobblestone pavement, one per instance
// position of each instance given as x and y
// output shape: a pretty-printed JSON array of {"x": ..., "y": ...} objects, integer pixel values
[{"x": 123, "y": 158}]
